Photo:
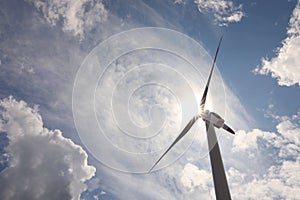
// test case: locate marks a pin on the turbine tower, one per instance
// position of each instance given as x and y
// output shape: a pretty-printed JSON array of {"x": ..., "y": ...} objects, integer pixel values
[{"x": 211, "y": 120}]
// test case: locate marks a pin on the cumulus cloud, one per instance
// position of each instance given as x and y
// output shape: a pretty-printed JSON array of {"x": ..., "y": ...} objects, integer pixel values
[
  {"x": 279, "y": 152},
  {"x": 42, "y": 164},
  {"x": 286, "y": 136},
  {"x": 285, "y": 65},
  {"x": 248, "y": 141},
  {"x": 281, "y": 182},
  {"x": 77, "y": 17},
  {"x": 193, "y": 177},
  {"x": 224, "y": 11}
]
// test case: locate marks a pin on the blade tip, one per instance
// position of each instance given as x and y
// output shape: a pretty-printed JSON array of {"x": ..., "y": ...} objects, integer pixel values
[
  {"x": 231, "y": 131},
  {"x": 150, "y": 170}
]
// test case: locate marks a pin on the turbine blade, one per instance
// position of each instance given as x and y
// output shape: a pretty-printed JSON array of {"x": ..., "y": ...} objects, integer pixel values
[
  {"x": 183, "y": 132},
  {"x": 227, "y": 128},
  {"x": 202, "y": 104}
]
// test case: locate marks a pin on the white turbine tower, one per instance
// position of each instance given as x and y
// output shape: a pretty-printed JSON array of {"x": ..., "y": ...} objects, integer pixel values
[{"x": 211, "y": 120}]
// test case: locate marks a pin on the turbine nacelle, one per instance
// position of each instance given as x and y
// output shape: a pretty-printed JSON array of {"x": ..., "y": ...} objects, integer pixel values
[{"x": 215, "y": 119}]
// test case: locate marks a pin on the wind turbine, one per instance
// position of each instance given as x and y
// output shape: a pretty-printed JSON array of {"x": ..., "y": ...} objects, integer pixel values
[{"x": 211, "y": 120}]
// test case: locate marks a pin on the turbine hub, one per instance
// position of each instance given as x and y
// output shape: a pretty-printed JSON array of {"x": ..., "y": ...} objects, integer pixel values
[{"x": 213, "y": 118}]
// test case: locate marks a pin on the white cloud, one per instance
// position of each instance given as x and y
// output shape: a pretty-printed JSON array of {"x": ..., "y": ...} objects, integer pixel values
[
  {"x": 278, "y": 152},
  {"x": 285, "y": 65},
  {"x": 96, "y": 197},
  {"x": 42, "y": 163},
  {"x": 281, "y": 182},
  {"x": 235, "y": 176},
  {"x": 77, "y": 17},
  {"x": 192, "y": 177},
  {"x": 180, "y": 1},
  {"x": 287, "y": 137},
  {"x": 248, "y": 141},
  {"x": 102, "y": 193},
  {"x": 224, "y": 11}
]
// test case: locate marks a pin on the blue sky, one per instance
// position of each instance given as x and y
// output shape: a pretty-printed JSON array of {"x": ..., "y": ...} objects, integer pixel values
[{"x": 64, "y": 81}]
